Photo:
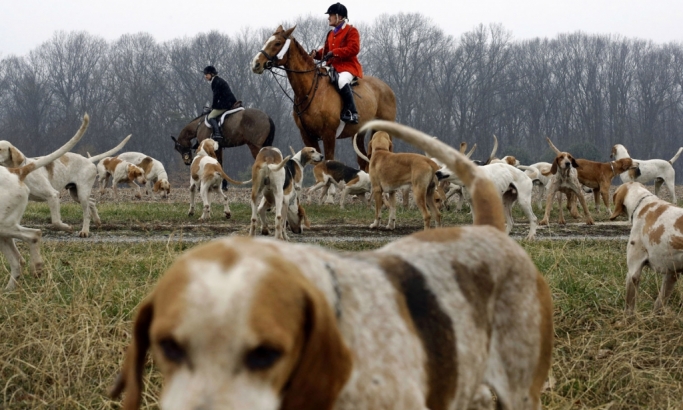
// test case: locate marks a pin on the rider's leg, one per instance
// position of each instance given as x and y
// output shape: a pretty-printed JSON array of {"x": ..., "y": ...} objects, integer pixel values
[
  {"x": 349, "y": 113},
  {"x": 212, "y": 119}
]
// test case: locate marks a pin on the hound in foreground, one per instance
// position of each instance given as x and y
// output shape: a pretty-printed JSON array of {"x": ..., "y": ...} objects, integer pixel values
[
  {"x": 13, "y": 204},
  {"x": 656, "y": 239},
  {"x": 155, "y": 174},
  {"x": 433, "y": 320},
  {"x": 207, "y": 175},
  {"x": 658, "y": 170},
  {"x": 72, "y": 171},
  {"x": 391, "y": 171}
]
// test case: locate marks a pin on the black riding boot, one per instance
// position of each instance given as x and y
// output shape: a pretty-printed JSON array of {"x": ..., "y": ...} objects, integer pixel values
[
  {"x": 349, "y": 113},
  {"x": 217, "y": 135}
]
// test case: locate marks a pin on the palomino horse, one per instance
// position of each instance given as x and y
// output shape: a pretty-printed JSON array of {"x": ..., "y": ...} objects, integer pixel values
[
  {"x": 317, "y": 103},
  {"x": 249, "y": 126}
]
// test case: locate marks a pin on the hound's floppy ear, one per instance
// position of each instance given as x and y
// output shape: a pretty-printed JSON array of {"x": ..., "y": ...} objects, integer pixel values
[
  {"x": 157, "y": 186},
  {"x": 16, "y": 157},
  {"x": 303, "y": 217},
  {"x": 315, "y": 383},
  {"x": 289, "y": 32},
  {"x": 130, "y": 376},
  {"x": 574, "y": 163},
  {"x": 618, "y": 199},
  {"x": 553, "y": 168}
]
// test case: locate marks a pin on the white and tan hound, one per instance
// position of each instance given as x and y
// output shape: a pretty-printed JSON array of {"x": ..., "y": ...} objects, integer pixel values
[
  {"x": 15, "y": 194},
  {"x": 432, "y": 320},
  {"x": 155, "y": 173},
  {"x": 656, "y": 239},
  {"x": 513, "y": 185},
  {"x": 564, "y": 179},
  {"x": 293, "y": 214},
  {"x": 72, "y": 171},
  {"x": 119, "y": 171},
  {"x": 658, "y": 170},
  {"x": 268, "y": 179},
  {"x": 206, "y": 175},
  {"x": 391, "y": 171}
]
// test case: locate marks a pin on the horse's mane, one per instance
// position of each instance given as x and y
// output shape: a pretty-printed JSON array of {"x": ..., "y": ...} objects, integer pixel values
[{"x": 301, "y": 50}]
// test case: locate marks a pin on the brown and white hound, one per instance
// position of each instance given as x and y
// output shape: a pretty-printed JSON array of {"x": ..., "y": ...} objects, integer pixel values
[
  {"x": 564, "y": 179},
  {"x": 656, "y": 239},
  {"x": 431, "y": 321}
]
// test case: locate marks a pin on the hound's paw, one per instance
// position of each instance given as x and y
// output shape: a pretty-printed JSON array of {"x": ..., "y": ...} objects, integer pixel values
[
  {"x": 227, "y": 215},
  {"x": 83, "y": 234},
  {"x": 590, "y": 222},
  {"x": 543, "y": 222},
  {"x": 265, "y": 231}
]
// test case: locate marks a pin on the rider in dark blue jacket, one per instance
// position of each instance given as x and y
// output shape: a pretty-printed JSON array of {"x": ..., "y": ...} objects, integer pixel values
[{"x": 223, "y": 100}]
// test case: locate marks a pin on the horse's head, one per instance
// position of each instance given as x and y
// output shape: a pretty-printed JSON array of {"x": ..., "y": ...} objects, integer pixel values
[
  {"x": 185, "y": 151},
  {"x": 274, "y": 51}
]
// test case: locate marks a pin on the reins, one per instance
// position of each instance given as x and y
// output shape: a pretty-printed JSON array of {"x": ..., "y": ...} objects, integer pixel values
[{"x": 299, "y": 108}]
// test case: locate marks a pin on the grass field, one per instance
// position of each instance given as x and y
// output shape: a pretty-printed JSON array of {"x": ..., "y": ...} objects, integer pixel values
[{"x": 62, "y": 335}]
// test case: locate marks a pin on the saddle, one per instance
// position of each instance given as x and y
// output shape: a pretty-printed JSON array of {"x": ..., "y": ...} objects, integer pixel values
[{"x": 237, "y": 106}]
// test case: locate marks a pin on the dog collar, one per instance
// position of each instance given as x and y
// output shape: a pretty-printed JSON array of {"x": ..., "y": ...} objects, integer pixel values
[{"x": 638, "y": 204}]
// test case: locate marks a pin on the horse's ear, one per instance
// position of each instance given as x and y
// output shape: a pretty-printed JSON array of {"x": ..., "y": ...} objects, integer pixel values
[
  {"x": 173, "y": 138},
  {"x": 289, "y": 32},
  {"x": 279, "y": 29}
]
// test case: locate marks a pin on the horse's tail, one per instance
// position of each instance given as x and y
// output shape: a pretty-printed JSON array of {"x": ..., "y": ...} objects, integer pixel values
[
  {"x": 42, "y": 161},
  {"x": 110, "y": 152},
  {"x": 355, "y": 147},
  {"x": 271, "y": 134},
  {"x": 487, "y": 204}
]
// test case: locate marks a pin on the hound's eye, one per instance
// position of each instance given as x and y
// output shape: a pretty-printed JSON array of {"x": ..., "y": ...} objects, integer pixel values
[
  {"x": 172, "y": 350},
  {"x": 262, "y": 358}
]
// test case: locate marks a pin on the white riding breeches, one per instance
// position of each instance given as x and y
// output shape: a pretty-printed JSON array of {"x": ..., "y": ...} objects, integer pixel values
[{"x": 344, "y": 78}]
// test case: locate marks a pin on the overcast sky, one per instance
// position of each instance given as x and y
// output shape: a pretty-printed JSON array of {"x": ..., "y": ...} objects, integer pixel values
[{"x": 27, "y": 24}]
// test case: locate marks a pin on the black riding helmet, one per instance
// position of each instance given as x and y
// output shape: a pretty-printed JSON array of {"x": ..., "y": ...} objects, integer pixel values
[
  {"x": 209, "y": 69},
  {"x": 337, "y": 8}
]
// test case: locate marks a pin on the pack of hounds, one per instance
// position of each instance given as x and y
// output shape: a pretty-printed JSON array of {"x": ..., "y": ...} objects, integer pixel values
[{"x": 455, "y": 317}]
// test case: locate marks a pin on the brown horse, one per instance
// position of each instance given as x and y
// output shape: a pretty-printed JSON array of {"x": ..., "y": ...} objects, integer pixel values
[
  {"x": 249, "y": 126},
  {"x": 317, "y": 104}
]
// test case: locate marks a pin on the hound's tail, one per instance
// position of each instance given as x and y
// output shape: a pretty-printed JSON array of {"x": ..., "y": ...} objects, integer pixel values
[
  {"x": 227, "y": 178},
  {"x": 532, "y": 173},
  {"x": 487, "y": 203},
  {"x": 672, "y": 160},
  {"x": 110, "y": 152},
  {"x": 355, "y": 147},
  {"x": 42, "y": 161},
  {"x": 552, "y": 146},
  {"x": 277, "y": 167}
]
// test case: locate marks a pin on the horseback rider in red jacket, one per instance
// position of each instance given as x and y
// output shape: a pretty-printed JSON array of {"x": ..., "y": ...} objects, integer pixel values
[
  {"x": 223, "y": 100},
  {"x": 340, "y": 51}
]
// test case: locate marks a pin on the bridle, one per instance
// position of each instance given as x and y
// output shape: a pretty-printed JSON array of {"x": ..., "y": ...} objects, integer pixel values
[{"x": 274, "y": 62}]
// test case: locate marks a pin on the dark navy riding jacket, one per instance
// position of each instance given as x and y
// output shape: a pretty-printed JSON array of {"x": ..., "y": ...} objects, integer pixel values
[{"x": 223, "y": 98}]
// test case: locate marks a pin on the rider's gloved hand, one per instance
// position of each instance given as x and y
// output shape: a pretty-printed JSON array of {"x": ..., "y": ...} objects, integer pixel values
[
  {"x": 328, "y": 56},
  {"x": 312, "y": 53}
]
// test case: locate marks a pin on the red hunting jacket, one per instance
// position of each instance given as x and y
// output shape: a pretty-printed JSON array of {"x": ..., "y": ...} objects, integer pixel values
[{"x": 345, "y": 45}]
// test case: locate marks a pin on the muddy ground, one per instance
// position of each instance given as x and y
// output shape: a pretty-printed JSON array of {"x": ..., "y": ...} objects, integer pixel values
[{"x": 330, "y": 231}]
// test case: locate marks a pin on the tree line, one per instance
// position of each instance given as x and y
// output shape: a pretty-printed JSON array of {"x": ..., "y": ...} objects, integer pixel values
[{"x": 586, "y": 92}]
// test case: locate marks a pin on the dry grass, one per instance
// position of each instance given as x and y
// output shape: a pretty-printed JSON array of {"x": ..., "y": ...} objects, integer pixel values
[{"x": 62, "y": 336}]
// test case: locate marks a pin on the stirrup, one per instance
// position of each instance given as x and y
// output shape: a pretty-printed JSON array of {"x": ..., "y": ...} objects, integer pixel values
[
  {"x": 217, "y": 138},
  {"x": 349, "y": 117}
]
